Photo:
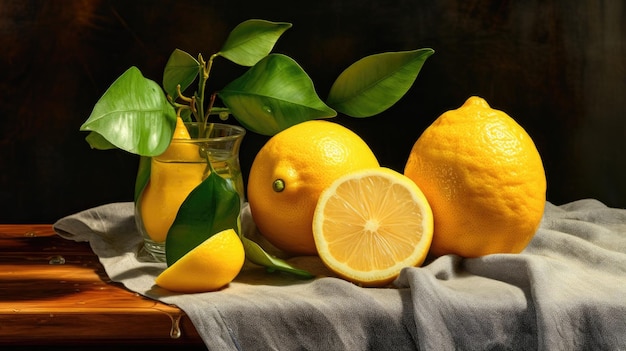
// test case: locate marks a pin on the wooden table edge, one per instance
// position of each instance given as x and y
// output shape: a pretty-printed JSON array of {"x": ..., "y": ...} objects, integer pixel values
[{"x": 139, "y": 320}]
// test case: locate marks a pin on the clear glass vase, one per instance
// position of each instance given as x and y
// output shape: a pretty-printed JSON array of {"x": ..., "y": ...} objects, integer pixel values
[{"x": 176, "y": 172}]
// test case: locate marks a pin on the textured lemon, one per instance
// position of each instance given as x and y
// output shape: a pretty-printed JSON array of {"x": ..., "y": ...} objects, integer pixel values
[
  {"x": 483, "y": 178},
  {"x": 370, "y": 224},
  {"x": 290, "y": 172}
]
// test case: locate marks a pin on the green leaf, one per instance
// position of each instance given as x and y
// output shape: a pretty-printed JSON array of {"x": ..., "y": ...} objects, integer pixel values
[
  {"x": 134, "y": 115},
  {"x": 252, "y": 40},
  {"x": 143, "y": 175},
  {"x": 211, "y": 207},
  {"x": 374, "y": 83},
  {"x": 97, "y": 141},
  {"x": 257, "y": 255},
  {"x": 185, "y": 115},
  {"x": 181, "y": 68},
  {"x": 273, "y": 95}
]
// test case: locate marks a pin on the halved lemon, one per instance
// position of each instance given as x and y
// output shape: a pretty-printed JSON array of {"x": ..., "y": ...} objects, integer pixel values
[
  {"x": 208, "y": 267},
  {"x": 370, "y": 224}
]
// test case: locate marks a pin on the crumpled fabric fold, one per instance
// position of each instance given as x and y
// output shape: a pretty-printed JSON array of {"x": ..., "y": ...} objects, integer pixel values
[{"x": 565, "y": 291}]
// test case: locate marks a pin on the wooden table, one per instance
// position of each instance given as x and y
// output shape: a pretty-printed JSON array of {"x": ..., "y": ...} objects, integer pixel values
[{"x": 54, "y": 291}]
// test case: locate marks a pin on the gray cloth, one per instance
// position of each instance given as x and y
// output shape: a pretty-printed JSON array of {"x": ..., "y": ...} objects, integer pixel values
[{"x": 566, "y": 291}]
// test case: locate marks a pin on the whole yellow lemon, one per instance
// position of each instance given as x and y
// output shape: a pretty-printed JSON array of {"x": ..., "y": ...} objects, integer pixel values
[
  {"x": 290, "y": 172},
  {"x": 484, "y": 180}
]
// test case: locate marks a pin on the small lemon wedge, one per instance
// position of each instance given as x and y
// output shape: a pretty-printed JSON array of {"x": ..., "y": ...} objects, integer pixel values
[{"x": 208, "y": 267}]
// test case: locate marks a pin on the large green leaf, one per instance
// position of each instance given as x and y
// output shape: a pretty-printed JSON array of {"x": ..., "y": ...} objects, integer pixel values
[
  {"x": 374, "y": 83},
  {"x": 252, "y": 40},
  {"x": 134, "y": 115},
  {"x": 273, "y": 95},
  {"x": 181, "y": 68},
  {"x": 143, "y": 175},
  {"x": 211, "y": 207}
]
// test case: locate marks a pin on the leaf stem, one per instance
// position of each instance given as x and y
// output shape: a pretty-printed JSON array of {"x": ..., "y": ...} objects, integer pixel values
[
  {"x": 201, "y": 86},
  {"x": 205, "y": 71},
  {"x": 180, "y": 94}
]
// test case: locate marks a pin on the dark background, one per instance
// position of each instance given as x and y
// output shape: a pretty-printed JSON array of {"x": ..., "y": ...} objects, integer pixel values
[{"x": 557, "y": 66}]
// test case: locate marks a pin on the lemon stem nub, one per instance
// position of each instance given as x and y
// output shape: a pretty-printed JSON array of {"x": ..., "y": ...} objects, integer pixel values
[{"x": 278, "y": 185}]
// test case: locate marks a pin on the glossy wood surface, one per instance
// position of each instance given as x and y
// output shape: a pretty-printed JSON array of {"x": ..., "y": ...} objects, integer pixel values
[{"x": 54, "y": 291}]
